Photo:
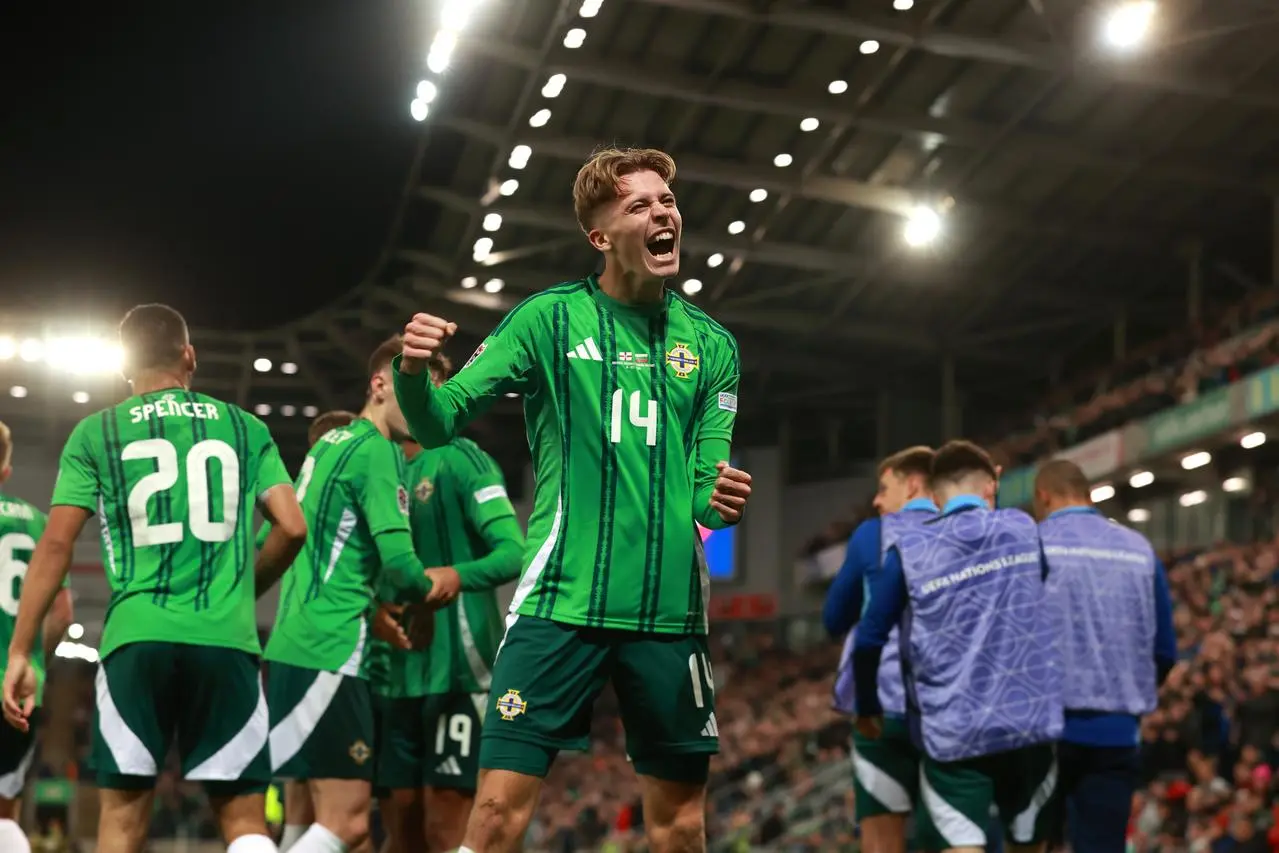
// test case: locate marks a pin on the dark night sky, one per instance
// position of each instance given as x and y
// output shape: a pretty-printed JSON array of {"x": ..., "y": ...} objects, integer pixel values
[{"x": 240, "y": 160}]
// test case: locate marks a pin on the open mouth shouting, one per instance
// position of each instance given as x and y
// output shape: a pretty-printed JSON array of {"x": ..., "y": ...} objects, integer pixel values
[{"x": 661, "y": 245}]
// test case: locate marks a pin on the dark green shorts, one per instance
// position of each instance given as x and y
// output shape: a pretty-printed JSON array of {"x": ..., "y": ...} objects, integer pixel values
[
  {"x": 431, "y": 741},
  {"x": 885, "y": 771},
  {"x": 957, "y": 797},
  {"x": 208, "y": 698},
  {"x": 321, "y": 724},
  {"x": 17, "y": 751},
  {"x": 548, "y": 674}
]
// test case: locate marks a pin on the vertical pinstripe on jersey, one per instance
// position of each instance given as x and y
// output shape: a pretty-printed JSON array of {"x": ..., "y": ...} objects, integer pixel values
[
  {"x": 115, "y": 488},
  {"x": 248, "y": 479},
  {"x": 598, "y": 605},
  {"x": 199, "y": 431},
  {"x": 655, "y": 528},
  {"x": 163, "y": 513},
  {"x": 327, "y": 493},
  {"x": 560, "y": 332}
]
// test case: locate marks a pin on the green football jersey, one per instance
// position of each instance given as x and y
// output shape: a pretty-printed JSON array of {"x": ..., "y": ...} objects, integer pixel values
[
  {"x": 616, "y": 399},
  {"x": 173, "y": 476},
  {"x": 20, "y": 527},
  {"x": 351, "y": 490},
  {"x": 454, "y": 493}
]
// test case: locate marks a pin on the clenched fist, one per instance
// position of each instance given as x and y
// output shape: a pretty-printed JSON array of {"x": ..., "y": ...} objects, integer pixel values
[{"x": 424, "y": 336}]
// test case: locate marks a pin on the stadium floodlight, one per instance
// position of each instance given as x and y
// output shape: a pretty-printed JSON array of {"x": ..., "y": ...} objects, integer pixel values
[
  {"x": 554, "y": 85},
  {"x": 492, "y": 221},
  {"x": 262, "y": 365},
  {"x": 692, "y": 287},
  {"x": 262, "y": 409},
  {"x": 809, "y": 124},
  {"x": 837, "y": 87},
  {"x": 759, "y": 194},
  {"x": 783, "y": 160},
  {"x": 1141, "y": 479},
  {"x": 868, "y": 47},
  {"x": 310, "y": 411},
  {"x": 8, "y": 348},
  {"x": 1234, "y": 484},
  {"x": 288, "y": 411},
  {"x": 441, "y": 52},
  {"x": 75, "y": 630},
  {"x": 714, "y": 260},
  {"x": 1196, "y": 460},
  {"x": 418, "y": 109},
  {"x": 31, "y": 349},
  {"x": 483, "y": 246},
  {"x": 575, "y": 38},
  {"x": 426, "y": 91},
  {"x": 1252, "y": 440},
  {"x": 494, "y": 285},
  {"x": 288, "y": 368},
  {"x": 519, "y": 156},
  {"x": 1194, "y": 498},
  {"x": 903, "y": 5},
  {"x": 80, "y": 397},
  {"x": 508, "y": 187},
  {"x": 18, "y": 391},
  {"x": 1138, "y": 515},
  {"x": 1128, "y": 23},
  {"x": 1103, "y": 492},
  {"x": 737, "y": 226},
  {"x": 590, "y": 8},
  {"x": 539, "y": 118},
  {"x": 923, "y": 226},
  {"x": 470, "y": 282}
]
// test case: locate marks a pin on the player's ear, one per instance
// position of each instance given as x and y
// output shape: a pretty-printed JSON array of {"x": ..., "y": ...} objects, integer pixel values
[
  {"x": 188, "y": 358},
  {"x": 599, "y": 240},
  {"x": 5, "y": 472}
]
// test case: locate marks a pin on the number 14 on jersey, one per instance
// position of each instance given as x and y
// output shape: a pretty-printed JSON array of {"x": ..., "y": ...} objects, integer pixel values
[{"x": 642, "y": 417}]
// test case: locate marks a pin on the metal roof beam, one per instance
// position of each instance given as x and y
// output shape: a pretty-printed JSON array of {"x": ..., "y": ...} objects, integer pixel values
[
  {"x": 798, "y": 105},
  {"x": 1038, "y": 54}
]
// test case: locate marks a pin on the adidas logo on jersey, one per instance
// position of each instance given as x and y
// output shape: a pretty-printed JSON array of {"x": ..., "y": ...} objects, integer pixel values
[
  {"x": 711, "y": 729},
  {"x": 586, "y": 350},
  {"x": 449, "y": 767}
]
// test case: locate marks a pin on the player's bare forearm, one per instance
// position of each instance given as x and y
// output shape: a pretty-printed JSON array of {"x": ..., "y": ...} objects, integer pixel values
[
  {"x": 58, "y": 620},
  {"x": 278, "y": 552}
]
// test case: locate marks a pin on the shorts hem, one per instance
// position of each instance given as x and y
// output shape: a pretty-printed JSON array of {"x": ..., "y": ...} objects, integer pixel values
[
  {"x": 659, "y": 750},
  {"x": 545, "y": 741}
]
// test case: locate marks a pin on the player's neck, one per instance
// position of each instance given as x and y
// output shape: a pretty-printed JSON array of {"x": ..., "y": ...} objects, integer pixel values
[
  {"x": 150, "y": 381},
  {"x": 630, "y": 289},
  {"x": 377, "y": 417}
]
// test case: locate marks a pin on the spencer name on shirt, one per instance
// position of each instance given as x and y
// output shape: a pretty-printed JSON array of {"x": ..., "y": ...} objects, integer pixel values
[
  {"x": 168, "y": 407},
  {"x": 16, "y": 510}
]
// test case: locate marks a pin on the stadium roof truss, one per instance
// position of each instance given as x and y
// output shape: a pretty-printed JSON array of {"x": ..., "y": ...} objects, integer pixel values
[{"x": 1076, "y": 183}]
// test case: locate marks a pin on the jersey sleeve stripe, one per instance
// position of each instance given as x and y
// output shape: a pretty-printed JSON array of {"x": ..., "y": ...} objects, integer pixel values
[
  {"x": 318, "y": 554},
  {"x": 115, "y": 464},
  {"x": 241, "y": 432},
  {"x": 555, "y": 565}
]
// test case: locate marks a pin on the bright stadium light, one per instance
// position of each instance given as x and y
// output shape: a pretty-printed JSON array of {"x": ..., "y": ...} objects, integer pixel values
[
  {"x": 692, "y": 287},
  {"x": 903, "y": 5},
  {"x": 575, "y": 38},
  {"x": 494, "y": 285},
  {"x": 809, "y": 124},
  {"x": 31, "y": 349},
  {"x": 1128, "y": 23},
  {"x": 923, "y": 226},
  {"x": 1194, "y": 498},
  {"x": 758, "y": 195},
  {"x": 418, "y": 109},
  {"x": 8, "y": 348},
  {"x": 737, "y": 226},
  {"x": 1138, "y": 515},
  {"x": 492, "y": 221},
  {"x": 783, "y": 160},
  {"x": 76, "y": 651},
  {"x": 75, "y": 630},
  {"x": 1234, "y": 484},
  {"x": 1196, "y": 460},
  {"x": 456, "y": 13},
  {"x": 837, "y": 87},
  {"x": 1104, "y": 492},
  {"x": 262, "y": 410},
  {"x": 1141, "y": 479},
  {"x": 310, "y": 411},
  {"x": 80, "y": 397},
  {"x": 868, "y": 47},
  {"x": 511, "y": 395},
  {"x": 554, "y": 85},
  {"x": 18, "y": 392},
  {"x": 288, "y": 411},
  {"x": 519, "y": 157},
  {"x": 470, "y": 282},
  {"x": 539, "y": 118},
  {"x": 508, "y": 187},
  {"x": 441, "y": 51},
  {"x": 1252, "y": 440},
  {"x": 426, "y": 91},
  {"x": 262, "y": 365},
  {"x": 590, "y": 8},
  {"x": 288, "y": 368},
  {"x": 714, "y": 260},
  {"x": 482, "y": 247}
]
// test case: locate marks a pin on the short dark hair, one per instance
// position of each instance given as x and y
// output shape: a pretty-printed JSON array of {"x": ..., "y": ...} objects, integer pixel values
[
  {"x": 956, "y": 459},
  {"x": 1063, "y": 478},
  {"x": 381, "y": 357},
  {"x": 153, "y": 336},
  {"x": 440, "y": 366},
  {"x": 327, "y": 421},
  {"x": 6, "y": 445},
  {"x": 912, "y": 461}
]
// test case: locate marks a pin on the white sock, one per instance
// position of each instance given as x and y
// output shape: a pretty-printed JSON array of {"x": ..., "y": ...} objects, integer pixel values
[
  {"x": 252, "y": 844},
  {"x": 292, "y": 832},
  {"x": 317, "y": 839},
  {"x": 12, "y": 838}
]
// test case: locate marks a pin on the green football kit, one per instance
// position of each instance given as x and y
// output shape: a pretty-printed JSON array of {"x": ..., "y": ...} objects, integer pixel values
[
  {"x": 433, "y": 700},
  {"x": 358, "y": 540},
  {"x": 628, "y": 408},
  {"x": 174, "y": 477}
]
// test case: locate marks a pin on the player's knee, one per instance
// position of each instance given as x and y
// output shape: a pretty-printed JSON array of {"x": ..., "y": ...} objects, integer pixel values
[
  {"x": 496, "y": 819},
  {"x": 354, "y": 830},
  {"x": 685, "y": 832}
]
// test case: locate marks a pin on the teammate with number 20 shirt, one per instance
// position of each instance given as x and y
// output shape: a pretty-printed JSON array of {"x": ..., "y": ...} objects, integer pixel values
[{"x": 630, "y": 393}]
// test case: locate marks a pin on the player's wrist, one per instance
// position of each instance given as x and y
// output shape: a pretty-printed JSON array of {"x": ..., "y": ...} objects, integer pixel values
[{"x": 407, "y": 365}]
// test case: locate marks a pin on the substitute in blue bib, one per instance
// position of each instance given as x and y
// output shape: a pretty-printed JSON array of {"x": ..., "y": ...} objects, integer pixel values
[
  {"x": 885, "y": 770},
  {"x": 980, "y": 660},
  {"x": 1118, "y": 645}
]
